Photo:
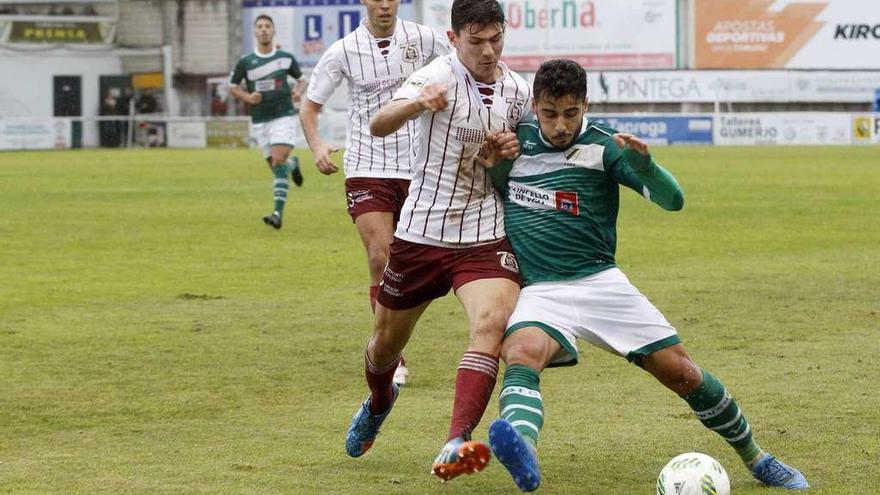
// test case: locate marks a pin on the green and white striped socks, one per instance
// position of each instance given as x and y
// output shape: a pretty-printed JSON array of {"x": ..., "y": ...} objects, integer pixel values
[
  {"x": 719, "y": 412},
  {"x": 521, "y": 403},
  {"x": 280, "y": 186}
]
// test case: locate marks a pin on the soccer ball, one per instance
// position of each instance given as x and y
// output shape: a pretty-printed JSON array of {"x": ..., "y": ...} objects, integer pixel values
[{"x": 693, "y": 474}]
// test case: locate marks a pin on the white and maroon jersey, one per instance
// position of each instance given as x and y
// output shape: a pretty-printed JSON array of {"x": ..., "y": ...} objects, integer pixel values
[
  {"x": 451, "y": 200},
  {"x": 375, "y": 68}
]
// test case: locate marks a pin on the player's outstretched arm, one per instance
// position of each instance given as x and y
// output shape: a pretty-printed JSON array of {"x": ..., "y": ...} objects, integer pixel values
[
  {"x": 662, "y": 186},
  {"x": 393, "y": 115},
  {"x": 308, "y": 116}
]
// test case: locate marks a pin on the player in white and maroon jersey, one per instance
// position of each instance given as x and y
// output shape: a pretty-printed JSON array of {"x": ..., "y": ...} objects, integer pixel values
[
  {"x": 451, "y": 230},
  {"x": 375, "y": 59}
]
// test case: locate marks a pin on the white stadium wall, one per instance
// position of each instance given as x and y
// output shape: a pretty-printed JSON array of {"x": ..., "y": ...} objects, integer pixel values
[
  {"x": 206, "y": 47},
  {"x": 141, "y": 26},
  {"x": 26, "y": 89}
]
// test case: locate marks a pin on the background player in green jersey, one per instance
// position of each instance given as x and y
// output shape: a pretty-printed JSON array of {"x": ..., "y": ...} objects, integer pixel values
[
  {"x": 272, "y": 113},
  {"x": 561, "y": 203}
]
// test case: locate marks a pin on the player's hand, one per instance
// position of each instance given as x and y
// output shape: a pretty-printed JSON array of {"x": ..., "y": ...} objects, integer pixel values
[
  {"x": 497, "y": 147},
  {"x": 433, "y": 98},
  {"x": 296, "y": 96},
  {"x": 322, "y": 158},
  {"x": 625, "y": 140},
  {"x": 507, "y": 143},
  {"x": 254, "y": 98}
]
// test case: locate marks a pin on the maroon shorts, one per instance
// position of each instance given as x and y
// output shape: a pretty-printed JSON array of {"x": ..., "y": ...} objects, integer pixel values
[
  {"x": 417, "y": 273},
  {"x": 366, "y": 194}
]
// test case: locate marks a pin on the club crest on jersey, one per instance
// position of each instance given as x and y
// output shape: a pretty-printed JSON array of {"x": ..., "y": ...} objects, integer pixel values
[
  {"x": 567, "y": 201},
  {"x": 515, "y": 109},
  {"x": 508, "y": 261},
  {"x": 410, "y": 52},
  {"x": 586, "y": 155}
]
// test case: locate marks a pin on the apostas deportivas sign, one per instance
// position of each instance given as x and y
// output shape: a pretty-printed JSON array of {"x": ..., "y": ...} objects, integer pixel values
[{"x": 787, "y": 34}]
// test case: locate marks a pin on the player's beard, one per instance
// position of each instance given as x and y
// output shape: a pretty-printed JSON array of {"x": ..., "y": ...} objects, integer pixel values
[
  {"x": 264, "y": 43},
  {"x": 562, "y": 140}
]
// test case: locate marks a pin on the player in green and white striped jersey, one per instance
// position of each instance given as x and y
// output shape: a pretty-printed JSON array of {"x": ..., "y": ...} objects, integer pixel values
[
  {"x": 265, "y": 72},
  {"x": 561, "y": 203}
]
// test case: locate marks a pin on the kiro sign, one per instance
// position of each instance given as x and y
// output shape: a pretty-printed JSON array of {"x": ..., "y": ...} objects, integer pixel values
[{"x": 857, "y": 31}]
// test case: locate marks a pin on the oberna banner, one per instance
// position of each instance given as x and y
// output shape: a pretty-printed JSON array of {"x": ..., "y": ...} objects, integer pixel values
[
  {"x": 598, "y": 34},
  {"x": 787, "y": 34}
]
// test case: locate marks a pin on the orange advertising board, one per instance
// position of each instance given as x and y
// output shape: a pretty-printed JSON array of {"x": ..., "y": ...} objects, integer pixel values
[{"x": 786, "y": 34}]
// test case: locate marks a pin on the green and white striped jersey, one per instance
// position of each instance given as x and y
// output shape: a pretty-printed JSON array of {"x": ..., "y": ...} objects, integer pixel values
[
  {"x": 267, "y": 74},
  {"x": 561, "y": 205}
]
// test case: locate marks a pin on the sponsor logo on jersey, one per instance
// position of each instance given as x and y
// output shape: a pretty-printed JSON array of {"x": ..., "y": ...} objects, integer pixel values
[
  {"x": 567, "y": 201},
  {"x": 382, "y": 84},
  {"x": 529, "y": 145},
  {"x": 416, "y": 82},
  {"x": 544, "y": 199},
  {"x": 531, "y": 197},
  {"x": 266, "y": 85},
  {"x": 410, "y": 52},
  {"x": 508, "y": 261}
]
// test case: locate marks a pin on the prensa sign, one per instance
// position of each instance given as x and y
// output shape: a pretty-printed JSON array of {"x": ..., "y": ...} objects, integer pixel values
[{"x": 68, "y": 32}]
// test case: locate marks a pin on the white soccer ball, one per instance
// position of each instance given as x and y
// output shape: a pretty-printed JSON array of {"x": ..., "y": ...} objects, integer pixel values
[{"x": 693, "y": 474}]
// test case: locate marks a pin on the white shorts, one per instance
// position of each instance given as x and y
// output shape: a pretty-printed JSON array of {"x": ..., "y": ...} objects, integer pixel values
[
  {"x": 604, "y": 309},
  {"x": 282, "y": 130}
]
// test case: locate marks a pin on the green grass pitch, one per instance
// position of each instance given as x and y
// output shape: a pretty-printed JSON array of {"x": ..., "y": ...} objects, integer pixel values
[{"x": 157, "y": 338}]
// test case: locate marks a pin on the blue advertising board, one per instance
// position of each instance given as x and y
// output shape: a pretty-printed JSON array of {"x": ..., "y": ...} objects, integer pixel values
[
  {"x": 673, "y": 129},
  {"x": 307, "y": 28}
]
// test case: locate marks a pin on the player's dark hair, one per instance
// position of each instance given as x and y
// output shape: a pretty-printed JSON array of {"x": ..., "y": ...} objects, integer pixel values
[
  {"x": 264, "y": 16},
  {"x": 477, "y": 13},
  {"x": 558, "y": 78}
]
